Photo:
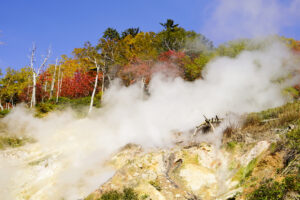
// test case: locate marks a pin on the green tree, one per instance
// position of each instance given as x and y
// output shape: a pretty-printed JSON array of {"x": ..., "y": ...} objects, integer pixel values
[
  {"x": 193, "y": 66},
  {"x": 235, "y": 47},
  {"x": 111, "y": 34},
  {"x": 169, "y": 25},
  {"x": 13, "y": 84},
  {"x": 175, "y": 38},
  {"x": 130, "y": 31},
  {"x": 141, "y": 47}
]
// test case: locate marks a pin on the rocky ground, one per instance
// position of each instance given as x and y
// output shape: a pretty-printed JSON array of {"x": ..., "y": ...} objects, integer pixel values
[{"x": 258, "y": 158}]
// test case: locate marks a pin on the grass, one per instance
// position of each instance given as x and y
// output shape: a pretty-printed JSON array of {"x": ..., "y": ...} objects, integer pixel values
[
  {"x": 229, "y": 131},
  {"x": 274, "y": 118},
  {"x": 288, "y": 176},
  {"x": 293, "y": 139},
  {"x": 273, "y": 190},
  {"x": 245, "y": 172},
  {"x": 231, "y": 145},
  {"x": 77, "y": 105},
  {"x": 3, "y": 113}
]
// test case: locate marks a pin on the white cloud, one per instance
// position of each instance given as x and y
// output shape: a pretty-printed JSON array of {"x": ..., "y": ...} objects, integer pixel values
[{"x": 249, "y": 18}]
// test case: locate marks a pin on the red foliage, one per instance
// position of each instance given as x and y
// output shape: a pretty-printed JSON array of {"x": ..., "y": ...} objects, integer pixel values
[
  {"x": 136, "y": 71},
  {"x": 40, "y": 93},
  {"x": 297, "y": 47},
  {"x": 169, "y": 66},
  {"x": 297, "y": 87},
  {"x": 172, "y": 63},
  {"x": 171, "y": 56},
  {"x": 80, "y": 85}
]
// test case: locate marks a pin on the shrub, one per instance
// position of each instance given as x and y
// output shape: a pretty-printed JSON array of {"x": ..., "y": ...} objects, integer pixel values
[
  {"x": 3, "y": 113},
  {"x": 273, "y": 190},
  {"x": 112, "y": 195},
  {"x": 127, "y": 194},
  {"x": 45, "y": 107},
  {"x": 294, "y": 139},
  {"x": 292, "y": 91}
]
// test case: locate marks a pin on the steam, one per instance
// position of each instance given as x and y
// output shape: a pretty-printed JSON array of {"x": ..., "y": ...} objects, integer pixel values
[
  {"x": 68, "y": 158},
  {"x": 235, "y": 19}
]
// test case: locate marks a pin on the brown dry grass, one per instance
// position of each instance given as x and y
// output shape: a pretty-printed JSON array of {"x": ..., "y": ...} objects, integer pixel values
[{"x": 279, "y": 117}]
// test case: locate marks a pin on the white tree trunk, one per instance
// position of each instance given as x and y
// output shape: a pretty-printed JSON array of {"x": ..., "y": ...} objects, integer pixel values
[
  {"x": 58, "y": 85},
  {"x": 53, "y": 80},
  {"x": 45, "y": 90},
  {"x": 33, "y": 99},
  {"x": 102, "y": 87},
  {"x": 45, "y": 87},
  {"x": 61, "y": 78},
  {"x": 95, "y": 87},
  {"x": 35, "y": 73},
  {"x": 1, "y": 107},
  {"x": 143, "y": 87}
]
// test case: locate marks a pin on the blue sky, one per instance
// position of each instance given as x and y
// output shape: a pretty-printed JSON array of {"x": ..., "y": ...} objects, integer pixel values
[{"x": 67, "y": 24}]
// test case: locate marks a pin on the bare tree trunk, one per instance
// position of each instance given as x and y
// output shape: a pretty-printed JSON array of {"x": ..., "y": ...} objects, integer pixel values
[
  {"x": 45, "y": 87},
  {"x": 102, "y": 87},
  {"x": 35, "y": 73},
  {"x": 12, "y": 102},
  {"x": 53, "y": 80},
  {"x": 143, "y": 87},
  {"x": 61, "y": 78},
  {"x": 45, "y": 90},
  {"x": 95, "y": 86},
  {"x": 58, "y": 84},
  {"x": 1, "y": 107},
  {"x": 28, "y": 93},
  {"x": 33, "y": 99},
  {"x": 32, "y": 58}
]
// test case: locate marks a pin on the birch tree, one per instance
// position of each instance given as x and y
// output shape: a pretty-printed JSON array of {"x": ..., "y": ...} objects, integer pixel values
[
  {"x": 96, "y": 83},
  {"x": 35, "y": 72},
  {"x": 59, "y": 79},
  {"x": 53, "y": 79},
  {"x": 1, "y": 107}
]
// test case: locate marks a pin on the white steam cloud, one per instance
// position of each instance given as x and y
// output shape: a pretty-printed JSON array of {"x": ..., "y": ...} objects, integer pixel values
[
  {"x": 233, "y": 19},
  {"x": 67, "y": 159}
]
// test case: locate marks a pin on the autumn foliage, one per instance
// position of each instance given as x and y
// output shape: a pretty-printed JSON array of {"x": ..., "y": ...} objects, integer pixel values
[
  {"x": 80, "y": 85},
  {"x": 131, "y": 56}
]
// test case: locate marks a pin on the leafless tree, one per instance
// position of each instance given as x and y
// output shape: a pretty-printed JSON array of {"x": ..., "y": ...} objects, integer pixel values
[
  {"x": 59, "y": 82},
  {"x": 94, "y": 60},
  {"x": 53, "y": 79},
  {"x": 36, "y": 71}
]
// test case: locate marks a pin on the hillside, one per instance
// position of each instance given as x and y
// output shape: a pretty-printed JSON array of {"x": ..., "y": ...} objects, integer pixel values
[
  {"x": 258, "y": 159},
  {"x": 144, "y": 115}
]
